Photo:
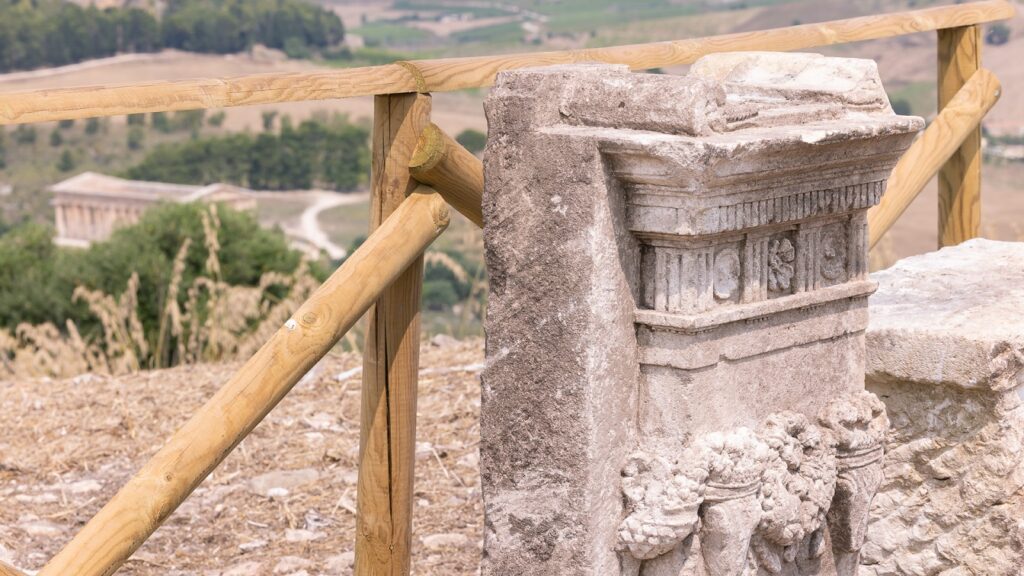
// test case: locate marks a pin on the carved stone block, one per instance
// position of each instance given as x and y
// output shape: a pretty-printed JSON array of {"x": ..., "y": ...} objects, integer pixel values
[{"x": 676, "y": 319}]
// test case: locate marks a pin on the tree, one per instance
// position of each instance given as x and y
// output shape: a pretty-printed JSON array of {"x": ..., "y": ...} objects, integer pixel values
[
  {"x": 136, "y": 137},
  {"x": 268, "y": 119},
  {"x": 296, "y": 48},
  {"x": 67, "y": 161},
  {"x": 37, "y": 279},
  {"x": 997, "y": 34},
  {"x": 136, "y": 119},
  {"x": 472, "y": 140},
  {"x": 56, "y": 140},
  {"x": 247, "y": 251},
  {"x": 40, "y": 33},
  {"x": 136, "y": 30},
  {"x": 160, "y": 122},
  {"x": 901, "y": 106},
  {"x": 92, "y": 126},
  {"x": 217, "y": 120},
  {"x": 66, "y": 124},
  {"x": 188, "y": 120},
  {"x": 438, "y": 296},
  {"x": 31, "y": 289},
  {"x": 326, "y": 153},
  {"x": 25, "y": 135}
]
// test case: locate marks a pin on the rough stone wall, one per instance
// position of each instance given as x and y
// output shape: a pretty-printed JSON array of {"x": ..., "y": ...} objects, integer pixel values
[{"x": 945, "y": 354}]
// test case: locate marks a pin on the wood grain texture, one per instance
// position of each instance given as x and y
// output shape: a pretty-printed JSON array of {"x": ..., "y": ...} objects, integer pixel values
[
  {"x": 442, "y": 75},
  {"x": 958, "y": 120},
  {"x": 387, "y": 447},
  {"x": 960, "y": 177},
  {"x": 205, "y": 440},
  {"x": 456, "y": 173}
]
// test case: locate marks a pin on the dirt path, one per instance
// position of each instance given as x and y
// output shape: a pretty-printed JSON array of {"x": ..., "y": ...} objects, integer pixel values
[{"x": 309, "y": 225}]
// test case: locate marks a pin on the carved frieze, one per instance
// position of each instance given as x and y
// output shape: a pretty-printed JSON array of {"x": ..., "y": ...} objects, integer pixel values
[{"x": 757, "y": 501}]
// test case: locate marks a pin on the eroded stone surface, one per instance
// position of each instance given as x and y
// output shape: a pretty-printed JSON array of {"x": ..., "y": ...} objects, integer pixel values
[
  {"x": 678, "y": 292},
  {"x": 944, "y": 353}
]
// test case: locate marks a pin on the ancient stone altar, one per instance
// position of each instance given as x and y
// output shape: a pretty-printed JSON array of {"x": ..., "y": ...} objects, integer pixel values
[{"x": 675, "y": 332}]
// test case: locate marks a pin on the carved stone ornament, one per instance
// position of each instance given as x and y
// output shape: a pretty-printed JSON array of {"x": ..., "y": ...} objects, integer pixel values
[
  {"x": 780, "y": 264},
  {"x": 679, "y": 284},
  {"x": 756, "y": 502}
]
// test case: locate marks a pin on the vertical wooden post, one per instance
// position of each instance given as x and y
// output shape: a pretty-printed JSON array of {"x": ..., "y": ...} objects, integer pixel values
[
  {"x": 387, "y": 444},
  {"x": 960, "y": 177}
]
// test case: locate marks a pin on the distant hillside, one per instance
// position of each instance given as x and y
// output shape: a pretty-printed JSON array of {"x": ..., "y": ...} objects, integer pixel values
[{"x": 48, "y": 33}]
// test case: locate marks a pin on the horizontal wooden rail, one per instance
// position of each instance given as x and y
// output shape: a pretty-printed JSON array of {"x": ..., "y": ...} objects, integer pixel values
[
  {"x": 207, "y": 438},
  {"x": 930, "y": 151},
  {"x": 442, "y": 75},
  {"x": 441, "y": 162}
]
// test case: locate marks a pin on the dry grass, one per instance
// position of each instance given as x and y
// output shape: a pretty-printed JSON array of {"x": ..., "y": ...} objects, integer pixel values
[
  {"x": 69, "y": 444},
  {"x": 219, "y": 322}
]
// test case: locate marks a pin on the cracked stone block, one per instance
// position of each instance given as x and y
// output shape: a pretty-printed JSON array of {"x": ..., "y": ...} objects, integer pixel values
[
  {"x": 945, "y": 352},
  {"x": 675, "y": 327}
]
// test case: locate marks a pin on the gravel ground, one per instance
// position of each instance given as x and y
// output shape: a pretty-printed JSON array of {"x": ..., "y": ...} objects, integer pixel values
[{"x": 282, "y": 503}]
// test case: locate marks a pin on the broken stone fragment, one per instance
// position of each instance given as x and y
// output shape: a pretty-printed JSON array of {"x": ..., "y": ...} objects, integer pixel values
[{"x": 944, "y": 352}]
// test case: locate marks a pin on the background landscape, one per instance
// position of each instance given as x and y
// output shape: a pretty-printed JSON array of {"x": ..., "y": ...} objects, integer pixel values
[
  {"x": 105, "y": 350},
  {"x": 310, "y": 160}
]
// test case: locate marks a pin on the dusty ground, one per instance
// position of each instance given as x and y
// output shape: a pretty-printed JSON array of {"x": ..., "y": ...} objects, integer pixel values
[{"x": 68, "y": 445}]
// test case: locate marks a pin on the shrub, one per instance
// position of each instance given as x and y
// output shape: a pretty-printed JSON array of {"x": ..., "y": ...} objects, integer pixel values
[
  {"x": 136, "y": 137},
  {"x": 56, "y": 140},
  {"x": 160, "y": 122},
  {"x": 217, "y": 120},
  {"x": 997, "y": 34},
  {"x": 439, "y": 295},
  {"x": 127, "y": 305},
  {"x": 92, "y": 126},
  {"x": 25, "y": 135},
  {"x": 67, "y": 162},
  {"x": 188, "y": 120},
  {"x": 473, "y": 140},
  {"x": 268, "y": 120},
  {"x": 901, "y": 106},
  {"x": 32, "y": 289}
]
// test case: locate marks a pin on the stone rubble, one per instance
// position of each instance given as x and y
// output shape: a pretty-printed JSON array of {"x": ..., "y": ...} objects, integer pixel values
[{"x": 945, "y": 352}]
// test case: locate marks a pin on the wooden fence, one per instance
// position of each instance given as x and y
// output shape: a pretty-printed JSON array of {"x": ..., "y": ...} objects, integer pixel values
[{"x": 417, "y": 172}]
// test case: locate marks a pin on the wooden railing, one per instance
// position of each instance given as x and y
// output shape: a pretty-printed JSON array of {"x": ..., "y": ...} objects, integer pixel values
[{"x": 417, "y": 172}]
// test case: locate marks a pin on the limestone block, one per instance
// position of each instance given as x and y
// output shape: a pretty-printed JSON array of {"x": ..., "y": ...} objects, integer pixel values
[
  {"x": 675, "y": 354},
  {"x": 946, "y": 354}
]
